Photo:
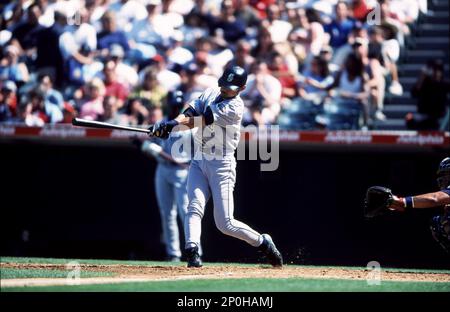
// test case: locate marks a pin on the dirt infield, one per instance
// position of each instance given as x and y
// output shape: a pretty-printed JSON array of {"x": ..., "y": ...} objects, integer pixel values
[{"x": 136, "y": 273}]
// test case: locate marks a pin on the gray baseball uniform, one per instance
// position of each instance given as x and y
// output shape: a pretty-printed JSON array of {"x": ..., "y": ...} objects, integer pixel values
[{"x": 213, "y": 170}]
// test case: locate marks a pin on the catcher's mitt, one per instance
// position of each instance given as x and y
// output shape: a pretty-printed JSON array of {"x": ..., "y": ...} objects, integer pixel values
[{"x": 378, "y": 199}]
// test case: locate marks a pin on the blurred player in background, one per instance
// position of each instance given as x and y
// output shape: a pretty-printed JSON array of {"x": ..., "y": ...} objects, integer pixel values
[{"x": 170, "y": 178}]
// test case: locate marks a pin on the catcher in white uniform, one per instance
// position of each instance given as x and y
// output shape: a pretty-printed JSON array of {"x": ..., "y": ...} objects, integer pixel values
[{"x": 218, "y": 114}]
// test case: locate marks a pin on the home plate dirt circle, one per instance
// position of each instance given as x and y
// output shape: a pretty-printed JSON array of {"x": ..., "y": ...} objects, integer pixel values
[{"x": 136, "y": 273}]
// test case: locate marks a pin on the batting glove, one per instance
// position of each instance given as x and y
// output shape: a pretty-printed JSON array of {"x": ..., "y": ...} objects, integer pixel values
[{"x": 162, "y": 129}]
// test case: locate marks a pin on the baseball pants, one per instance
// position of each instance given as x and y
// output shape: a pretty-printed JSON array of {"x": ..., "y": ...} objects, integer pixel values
[
  {"x": 216, "y": 178},
  {"x": 170, "y": 184}
]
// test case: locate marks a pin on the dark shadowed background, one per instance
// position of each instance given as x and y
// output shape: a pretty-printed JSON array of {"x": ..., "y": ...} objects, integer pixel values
[{"x": 90, "y": 200}]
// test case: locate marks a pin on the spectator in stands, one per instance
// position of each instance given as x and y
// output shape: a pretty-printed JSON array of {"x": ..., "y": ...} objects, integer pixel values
[
  {"x": 310, "y": 36},
  {"x": 262, "y": 95},
  {"x": 261, "y": 7},
  {"x": 155, "y": 114},
  {"x": 340, "y": 27},
  {"x": 232, "y": 28},
  {"x": 168, "y": 79},
  {"x": 110, "y": 35},
  {"x": 24, "y": 34},
  {"x": 7, "y": 100},
  {"x": 280, "y": 70},
  {"x": 189, "y": 85},
  {"x": 49, "y": 56},
  {"x": 92, "y": 106},
  {"x": 137, "y": 111},
  {"x": 5, "y": 113},
  {"x": 69, "y": 113},
  {"x": 114, "y": 88},
  {"x": 206, "y": 77},
  {"x": 246, "y": 13},
  {"x": 177, "y": 57},
  {"x": 376, "y": 79},
  {"x": 284, "y": 49},
  {"x": 278, "y": 28},
  {"x": 327, "y": 54},
  {"x": 215, "y": 52},
  {"x": 126, "y": 74},
  {"x": 340, "y": 55},
  {"x": 392, "y": 18},
  {"x": 265, "y": 44},
  {"x": 406, "y": 10},
  {"x": 127, "y": 12},
  {"x": 431, "y": 91},
  {"x": 11, "y": 68},
  {"x": 51, "y": 95},
  {"x": 150, "y": 34},
  {"x": 242, "y": 57},
  {"x": 314, "y": 83},
  {"x": 46, "y": 111},
  {"x": 291, "y": 14},
  {"x": 189, "y": 43},
  {"x": 360, "y": 10},
  {"x": 96, "y": 9},
  {"x": 195, "y": 27},
  {"x": 25, "y": 115},
  {"x": 350, "y": 89},
  {"x": 172, "y": 11},
  {"x": 75, "y": 37},
  {"x": 387, "y": 53},
  {"x": 12, "y": 13},
  {"x": 70, "y": 9},
  {"x": 111, "y": 113},
  {"x": 150, "y": 89},
  {"x": 391, "y": 21},
  {"x": 80, "y": 73}
]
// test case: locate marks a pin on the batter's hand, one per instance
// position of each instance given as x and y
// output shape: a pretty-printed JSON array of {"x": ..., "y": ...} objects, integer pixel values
[
  {"x": 162, "y": 129},
  {"x": 159, "y": 130}
]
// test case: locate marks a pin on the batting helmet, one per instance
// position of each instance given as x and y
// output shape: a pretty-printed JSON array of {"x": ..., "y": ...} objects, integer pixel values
[
  {"x": 443, "y": 173},
  {"x": 233, "y": 78}
]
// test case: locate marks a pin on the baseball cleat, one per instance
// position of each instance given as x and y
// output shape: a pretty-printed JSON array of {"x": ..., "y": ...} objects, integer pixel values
[
  {"x": 269, "y": 249},
  {"x": 193, "y": 258}
]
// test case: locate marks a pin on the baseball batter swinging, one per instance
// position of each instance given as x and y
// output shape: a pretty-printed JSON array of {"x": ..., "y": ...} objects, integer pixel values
[{"x": 218, "y": 112}]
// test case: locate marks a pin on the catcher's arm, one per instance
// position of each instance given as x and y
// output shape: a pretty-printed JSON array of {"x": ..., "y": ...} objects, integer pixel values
[{"x": 430, "y": 200}]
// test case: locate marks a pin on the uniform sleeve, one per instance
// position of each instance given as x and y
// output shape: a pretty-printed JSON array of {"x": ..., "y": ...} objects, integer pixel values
[
  {"x": 227, "y": 113},
  {"x": 446, "y": 191},
  {"x": 199, "y": 103}
]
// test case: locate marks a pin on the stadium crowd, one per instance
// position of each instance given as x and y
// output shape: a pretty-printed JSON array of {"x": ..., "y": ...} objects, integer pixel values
[{"x": 310, "y": 62}]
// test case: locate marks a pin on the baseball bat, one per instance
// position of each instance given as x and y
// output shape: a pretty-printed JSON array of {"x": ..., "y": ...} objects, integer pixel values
[{"x": 104, "y": 125}]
